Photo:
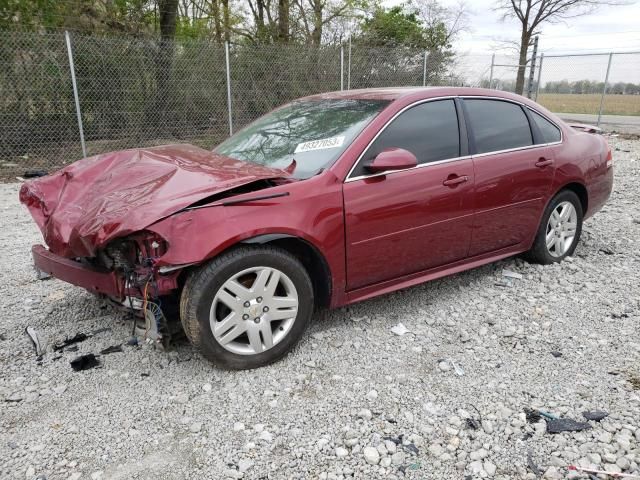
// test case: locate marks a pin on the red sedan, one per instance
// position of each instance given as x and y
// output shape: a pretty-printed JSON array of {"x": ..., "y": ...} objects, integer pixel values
[{"x": 323, "y": 202}]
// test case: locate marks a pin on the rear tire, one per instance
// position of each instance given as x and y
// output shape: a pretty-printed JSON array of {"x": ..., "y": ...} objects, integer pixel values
[
  {"x": 248, "y": 307},
  {"x": 559, "y": 230}
]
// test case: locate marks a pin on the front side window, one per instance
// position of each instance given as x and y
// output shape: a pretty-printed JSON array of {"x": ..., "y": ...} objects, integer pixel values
[
  {"x": 305, "y": 136},
  {"x": 550, "y": 133},
  {"x": 498, "y": 125},
  {"x": 429, "y": 131}
]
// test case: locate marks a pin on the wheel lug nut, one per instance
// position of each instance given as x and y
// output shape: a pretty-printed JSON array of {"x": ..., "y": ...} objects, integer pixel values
[
  {"x": 256, "y": 320},
  {"x": 245, "y": 317},
  {"x": 259, "y": 299},
  {"x": 247, "y": 304},
  {"x": 265, "y": 309}
]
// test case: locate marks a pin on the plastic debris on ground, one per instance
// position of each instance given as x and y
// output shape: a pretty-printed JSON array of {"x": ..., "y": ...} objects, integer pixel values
[
  {"x": 511, "y": 274},
  {"x": 446, "y": 364},
  {"x": 595, "y": 415},
  {"x": 33, "y": 335},
  {"x": 399, "y": 329},
  {"x": 532, "y": 465},
  {"x": 77, "y": 338},
  {"x": 111, "y": 349},
  {"x": 556, "y": 354},
  {"x": 559, "y": 425},
  {"x": 591, "y": 472},
  {"x": 84, "y": 362}
]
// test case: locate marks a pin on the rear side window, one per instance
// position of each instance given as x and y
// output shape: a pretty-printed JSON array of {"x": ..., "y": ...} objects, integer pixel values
[
  {"x": 429, "y": 131},
  {"x": 550, "y": 133},
  {"x": 498, "y": 125}
]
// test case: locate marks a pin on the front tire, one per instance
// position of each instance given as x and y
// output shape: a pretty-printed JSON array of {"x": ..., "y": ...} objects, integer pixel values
[
  {"x": 248, "y": 307},
  {"x": 559, "y": 230}
]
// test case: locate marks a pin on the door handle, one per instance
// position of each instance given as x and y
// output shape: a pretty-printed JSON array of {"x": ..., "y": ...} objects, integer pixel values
[
  {"x": 453, "y": 181},
  {"x": 543, "y": 162}
]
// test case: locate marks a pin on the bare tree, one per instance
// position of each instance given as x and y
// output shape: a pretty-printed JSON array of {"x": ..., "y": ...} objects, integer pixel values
[
  {"x": 454, "y": 19},
  {"x": 533, "y": 13}
]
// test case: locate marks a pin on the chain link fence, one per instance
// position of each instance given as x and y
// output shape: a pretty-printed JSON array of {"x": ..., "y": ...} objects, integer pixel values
[{"x": 134, "y": 92}]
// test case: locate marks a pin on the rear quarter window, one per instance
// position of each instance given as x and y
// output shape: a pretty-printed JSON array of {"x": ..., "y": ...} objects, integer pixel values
[
  {"x": 550, "y": 133},
  {"x": 498, "y": 125}
]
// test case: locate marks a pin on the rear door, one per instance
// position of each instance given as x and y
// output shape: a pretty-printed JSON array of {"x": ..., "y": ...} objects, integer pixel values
[
  {"x": 406, "y": 221},
  {"x": 514, "y": 172}
]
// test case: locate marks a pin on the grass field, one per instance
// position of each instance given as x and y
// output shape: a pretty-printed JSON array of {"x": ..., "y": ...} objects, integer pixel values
[{"x": 590, "y": 103}]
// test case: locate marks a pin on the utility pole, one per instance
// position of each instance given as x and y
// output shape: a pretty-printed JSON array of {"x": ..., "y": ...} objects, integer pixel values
[{"x": 532, "y": 70}]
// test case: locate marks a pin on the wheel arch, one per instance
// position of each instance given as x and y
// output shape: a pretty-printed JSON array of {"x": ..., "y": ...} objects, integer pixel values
[
  {"x": 308, "y": 254},
  {"x": 580, "y": 190}
]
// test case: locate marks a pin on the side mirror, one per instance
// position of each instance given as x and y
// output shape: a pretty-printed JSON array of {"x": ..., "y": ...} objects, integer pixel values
[{"x": 392, "y": 159}]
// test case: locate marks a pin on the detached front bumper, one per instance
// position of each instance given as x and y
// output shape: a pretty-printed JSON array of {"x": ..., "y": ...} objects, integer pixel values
[{"x": 79, "y": 274}]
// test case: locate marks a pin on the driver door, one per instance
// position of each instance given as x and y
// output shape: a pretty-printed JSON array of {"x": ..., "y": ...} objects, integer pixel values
[{"x": 407, "y": 221}]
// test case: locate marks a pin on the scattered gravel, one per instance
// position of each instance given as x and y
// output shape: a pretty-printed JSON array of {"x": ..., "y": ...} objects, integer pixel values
[{"x": 359, "y": 397}]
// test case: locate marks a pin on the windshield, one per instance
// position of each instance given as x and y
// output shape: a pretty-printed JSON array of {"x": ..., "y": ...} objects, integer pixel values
[{"x": 312, "y": 132}]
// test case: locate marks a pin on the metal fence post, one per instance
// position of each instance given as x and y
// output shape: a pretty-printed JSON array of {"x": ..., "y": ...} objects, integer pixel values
[
  {"x": 349, "y": 67},
  {"x": 532, "y": 69},
  {"x": 493, "y": 62},
  {"x": 539, "y": 76},
  {"x": 604, "y": 89},
  {"x": 341, "y": 67},
  {"x": 226, "y": 54},
  {"x": 424, "y": 70},
  {"x": 75, "y": 92}
]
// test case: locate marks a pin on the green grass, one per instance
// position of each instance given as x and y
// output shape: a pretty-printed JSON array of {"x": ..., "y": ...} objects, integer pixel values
[{"x": 590, "y": 103}]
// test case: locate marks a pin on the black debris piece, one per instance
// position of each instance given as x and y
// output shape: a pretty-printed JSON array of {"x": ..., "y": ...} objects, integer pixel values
[
  {"x": 606, "y": 250},
  {"x": 79, "y": 337},
  {"x": 133, "y": 341},
  {"x": 411, "y": 448},
  {"x": 111, "y": 349},
  {"x": 473, "y": 424},
  {"x": 144, "y": 374},
  {"x": 559, "y": 425},
  {"x": 84, "y": 362},
  {"x": 533, "y": 416},
  {"x": 402, "y": 469},
  {"x": 527, "y": 436},
  {"x": 532, "y": 465},
  {"x": 596, "y": 415},
  {"x": 397, "y": 440},
  {"x": 34, "y": 173},
  {"x": 556, "y": 354}
]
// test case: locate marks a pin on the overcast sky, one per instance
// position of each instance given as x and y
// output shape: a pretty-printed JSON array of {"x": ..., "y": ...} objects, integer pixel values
[{"x": 610, "y": 28}]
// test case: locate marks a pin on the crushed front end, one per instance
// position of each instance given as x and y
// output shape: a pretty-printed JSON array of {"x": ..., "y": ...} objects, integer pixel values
[{"x": 125, "y": 272}]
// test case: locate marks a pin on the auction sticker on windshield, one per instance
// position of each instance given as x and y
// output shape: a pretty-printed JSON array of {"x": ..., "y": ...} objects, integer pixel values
[{"x": 321, "y": 144}]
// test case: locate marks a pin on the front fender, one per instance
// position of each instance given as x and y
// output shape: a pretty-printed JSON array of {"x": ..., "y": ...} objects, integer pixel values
[{"x": 195, "y": 236}]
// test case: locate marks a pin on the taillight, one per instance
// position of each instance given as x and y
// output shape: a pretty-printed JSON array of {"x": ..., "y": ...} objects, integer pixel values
[{"x": 609, "y": 157}]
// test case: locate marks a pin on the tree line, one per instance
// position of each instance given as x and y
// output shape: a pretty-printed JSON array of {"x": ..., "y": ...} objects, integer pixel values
[
  {"x": 424, "y": 24},
  {"x": 565, "y": 86}
]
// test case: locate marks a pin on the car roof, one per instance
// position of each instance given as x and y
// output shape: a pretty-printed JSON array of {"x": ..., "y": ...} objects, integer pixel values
[{"x": 416, "y": 93}]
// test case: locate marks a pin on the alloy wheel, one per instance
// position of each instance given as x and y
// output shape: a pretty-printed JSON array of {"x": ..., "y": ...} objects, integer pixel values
[
  {"x": 254, "y": 310},
  {"x": 561, "y": 229}
]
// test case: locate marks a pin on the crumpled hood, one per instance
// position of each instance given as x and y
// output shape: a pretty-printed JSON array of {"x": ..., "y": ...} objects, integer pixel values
[{"x": 92, "y": 201}]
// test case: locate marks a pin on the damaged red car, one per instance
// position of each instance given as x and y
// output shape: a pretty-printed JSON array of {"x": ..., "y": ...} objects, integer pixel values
[{"x": 326, "y": 201}]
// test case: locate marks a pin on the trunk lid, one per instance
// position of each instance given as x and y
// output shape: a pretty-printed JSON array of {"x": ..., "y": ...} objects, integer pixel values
[{"x": 94, "y": 200}]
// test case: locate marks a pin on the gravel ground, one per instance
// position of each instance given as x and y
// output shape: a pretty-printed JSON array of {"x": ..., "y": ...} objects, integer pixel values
[{"x": 447, "y": 399}]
